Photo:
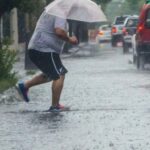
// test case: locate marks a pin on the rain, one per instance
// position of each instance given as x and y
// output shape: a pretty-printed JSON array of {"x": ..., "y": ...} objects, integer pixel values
[{"x": 107, "y": 87}]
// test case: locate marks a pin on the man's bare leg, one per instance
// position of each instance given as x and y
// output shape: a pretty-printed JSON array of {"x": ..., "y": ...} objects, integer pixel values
[
  {"x": 57, "y": 87},
  {"x": 38, "y": 79}
]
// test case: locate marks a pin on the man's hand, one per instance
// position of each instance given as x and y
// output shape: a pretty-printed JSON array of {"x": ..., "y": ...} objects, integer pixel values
[
  {"x": 63, "y": 35},
  {"x": 73, "y": 40}
]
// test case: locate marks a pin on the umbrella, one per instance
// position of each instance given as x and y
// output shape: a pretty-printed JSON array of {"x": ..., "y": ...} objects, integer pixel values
[{"x": 80, "y": 10}]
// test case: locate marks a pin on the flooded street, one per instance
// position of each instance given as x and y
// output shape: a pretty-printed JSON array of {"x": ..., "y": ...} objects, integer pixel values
[{"x": 110, "y": 108}]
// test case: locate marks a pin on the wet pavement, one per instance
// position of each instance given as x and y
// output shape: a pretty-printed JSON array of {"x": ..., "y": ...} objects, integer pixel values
[{"x": 110, "y": 108}]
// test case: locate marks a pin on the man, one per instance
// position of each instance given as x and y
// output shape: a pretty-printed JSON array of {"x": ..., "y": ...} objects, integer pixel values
[{"x": 45, "y": 47}]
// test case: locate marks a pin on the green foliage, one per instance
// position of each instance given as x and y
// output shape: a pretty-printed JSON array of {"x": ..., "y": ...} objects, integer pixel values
[
  {"x": 147, "y": 1},
  {"x": 116, "y": 8},
  {"x": 134, "y": 5},
  {"x": 102, "y": 1},
  {"x": 26, "y": 6},
  {"x": 31, "y": 6},
  {"x": 7, "y": 59},
  {"x": 5, "y": 5},
  {"x": 49, "y": 1},
  {"x": 7, "y": 83}
]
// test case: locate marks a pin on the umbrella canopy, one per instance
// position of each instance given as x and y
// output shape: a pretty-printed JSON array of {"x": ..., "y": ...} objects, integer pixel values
[{"x": 80, "y": 10}]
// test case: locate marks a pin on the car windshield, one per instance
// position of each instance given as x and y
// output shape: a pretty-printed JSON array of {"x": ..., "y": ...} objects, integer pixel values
[
  {"x": 132, "y": 23},
  {"x": 120, "y": 20}
]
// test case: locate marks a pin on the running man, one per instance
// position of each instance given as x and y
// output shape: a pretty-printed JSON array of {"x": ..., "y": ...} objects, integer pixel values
[{"x": 45, "y": 47}]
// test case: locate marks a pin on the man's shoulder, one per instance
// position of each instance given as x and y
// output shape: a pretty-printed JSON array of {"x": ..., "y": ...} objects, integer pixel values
[{"x": 45, "y": 15}]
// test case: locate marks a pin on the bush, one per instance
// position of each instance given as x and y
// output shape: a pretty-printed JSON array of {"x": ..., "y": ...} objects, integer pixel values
[
  {"x": 7, "y": 83},
  {"x": 7, "y": 60}
]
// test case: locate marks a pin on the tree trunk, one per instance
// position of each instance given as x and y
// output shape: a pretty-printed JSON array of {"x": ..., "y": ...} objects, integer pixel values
[
  {"x": 1, "y": 31},
  {"x": 27, "y": 24},
  {"x": 14, "y": 27}
]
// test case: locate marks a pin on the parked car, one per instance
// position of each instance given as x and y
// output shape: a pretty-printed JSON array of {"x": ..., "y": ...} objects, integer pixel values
[
  {"x": 116, "y": 30},
  {"x": 142, "y": 39},
  {"x": 104, "y": 33},
  {"x": 129, "y": 29}
]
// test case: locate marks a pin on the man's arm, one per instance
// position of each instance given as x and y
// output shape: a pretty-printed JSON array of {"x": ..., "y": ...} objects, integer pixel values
[{"x": 63, "y": 35}]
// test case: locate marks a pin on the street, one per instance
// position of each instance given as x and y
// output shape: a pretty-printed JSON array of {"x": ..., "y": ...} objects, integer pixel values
[{"x": 110, "y": 108}]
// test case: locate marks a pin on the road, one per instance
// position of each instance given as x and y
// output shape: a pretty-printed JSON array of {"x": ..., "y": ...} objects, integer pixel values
[{"x": 110, "y": 108}]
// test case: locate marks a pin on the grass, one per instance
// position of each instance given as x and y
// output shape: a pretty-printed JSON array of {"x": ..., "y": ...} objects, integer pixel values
[{"x": 7, "y": 83}]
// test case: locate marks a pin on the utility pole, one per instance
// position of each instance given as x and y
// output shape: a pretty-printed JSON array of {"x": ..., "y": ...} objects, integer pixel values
[
  {"x": 1, "y": 29},
  {"x": 14, "y": 27}
]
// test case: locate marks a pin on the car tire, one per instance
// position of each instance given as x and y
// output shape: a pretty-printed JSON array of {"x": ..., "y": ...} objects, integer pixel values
[{"x": 140, "y": 62}]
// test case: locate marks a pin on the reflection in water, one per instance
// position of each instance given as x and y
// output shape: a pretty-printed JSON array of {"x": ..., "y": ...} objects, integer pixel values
[
  {"x": 51, "y": 117},
  {"x": 48, "y": 119}
]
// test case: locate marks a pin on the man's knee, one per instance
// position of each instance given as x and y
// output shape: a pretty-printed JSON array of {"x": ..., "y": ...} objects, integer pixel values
[
  {"x": 45, "y": 77},
  {"x": 60, "y": 80},
  {"x": 62, "y": 77}
]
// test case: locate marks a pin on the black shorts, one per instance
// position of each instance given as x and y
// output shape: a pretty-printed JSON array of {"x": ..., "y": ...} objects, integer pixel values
[{"x": 49, "y": 63}]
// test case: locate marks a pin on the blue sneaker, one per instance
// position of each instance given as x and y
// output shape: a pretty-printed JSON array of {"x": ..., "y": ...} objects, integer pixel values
[{"x": 23, "y": 92}]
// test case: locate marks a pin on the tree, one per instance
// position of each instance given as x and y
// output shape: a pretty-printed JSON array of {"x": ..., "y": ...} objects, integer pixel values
[
  {"x": 134, "y": 5},
  {"x": 26, "y": 6},
  {"x": 129, "y": 7},
  {"x": 103, "y": 3},
  {"x": 6, "y": 5},
  {"x": 30, "y": 6}
]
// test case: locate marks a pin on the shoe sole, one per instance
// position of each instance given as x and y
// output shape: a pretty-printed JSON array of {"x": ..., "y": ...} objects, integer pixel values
[{"x": 58, "y": 110}]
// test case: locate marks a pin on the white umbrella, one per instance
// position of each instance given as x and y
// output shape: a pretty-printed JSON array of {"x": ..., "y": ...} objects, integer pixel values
[{"x": 81, "y": 10}]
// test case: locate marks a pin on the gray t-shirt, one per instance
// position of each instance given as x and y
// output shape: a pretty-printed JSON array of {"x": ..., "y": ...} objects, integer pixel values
[{"x": 44, "y": 38}]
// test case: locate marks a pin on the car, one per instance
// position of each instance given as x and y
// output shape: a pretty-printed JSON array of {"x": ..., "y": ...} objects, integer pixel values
[
  {"x": 142, "y": 38},
  {"x": 116, "y": 29},
  {"x": 104, "y": 33},
  {"x": 129, "y": 29}
]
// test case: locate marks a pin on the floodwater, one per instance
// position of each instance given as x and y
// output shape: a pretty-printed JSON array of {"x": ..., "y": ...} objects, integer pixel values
[{"x": 110, "y": 108}]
